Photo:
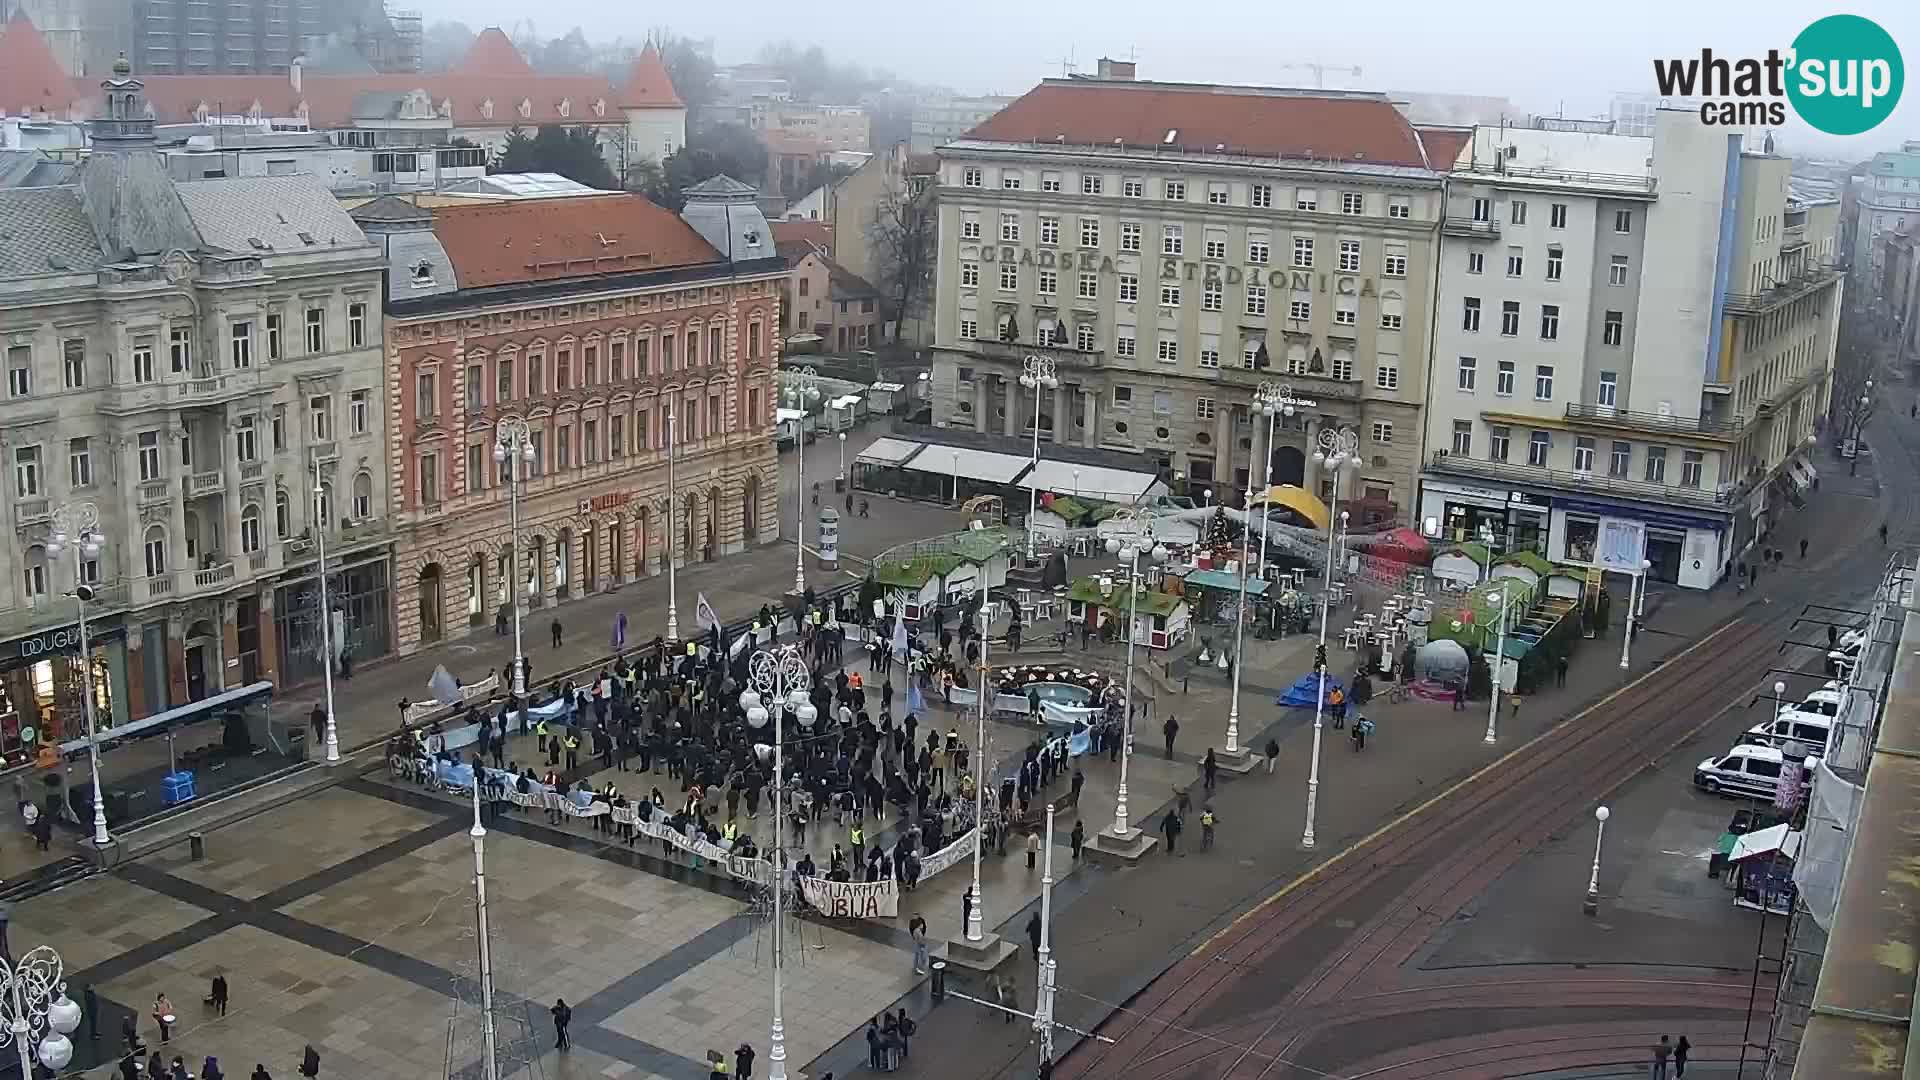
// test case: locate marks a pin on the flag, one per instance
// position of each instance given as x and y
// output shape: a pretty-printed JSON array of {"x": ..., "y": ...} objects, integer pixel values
[
  {"x": 444, "y": 687},
  {"x": 703, "y": 613},
  {"x": 915, "y": 703},
  {"x": 899, "y": 633},
  {"x": 620, "y": 631}
]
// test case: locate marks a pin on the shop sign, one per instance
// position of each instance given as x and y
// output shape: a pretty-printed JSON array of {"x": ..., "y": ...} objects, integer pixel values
[
  {"x": 1524, "y": 501},
  {"x": 1486, "y": 495},
  {"x": 1182, "y": 270},
  {"x": 59, "y": 640},
  {"x": 605, "y": 502}
]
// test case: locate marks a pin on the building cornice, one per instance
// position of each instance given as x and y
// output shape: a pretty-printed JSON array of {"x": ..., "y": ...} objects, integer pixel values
[
  {"x": 512, "y": 297},
  {"x": 1222, "y": 164}
]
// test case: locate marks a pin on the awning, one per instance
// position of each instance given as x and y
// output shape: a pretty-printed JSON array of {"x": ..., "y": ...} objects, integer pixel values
[
  {"x": 846, "y": 402},
  {"x": 1096, "y": 482},
  {"x": 782, "y": 416},
  {"x": 1780, "y": 838},
  {"x": 983, "y": 466},
  {"x": 183, "y": 714},
  {"x": 888, "y": 451},
  {"x": 1219, "y": 579},
  {"x": 1300, "y": 501}
]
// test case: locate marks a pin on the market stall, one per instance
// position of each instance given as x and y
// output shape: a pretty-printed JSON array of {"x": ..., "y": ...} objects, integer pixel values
[{"x": 1161, "y": 619}]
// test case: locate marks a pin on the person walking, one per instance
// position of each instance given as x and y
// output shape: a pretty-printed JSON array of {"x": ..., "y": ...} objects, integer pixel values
[
  {"x": 163, "y": 1016},
  {"x": 1210, "y": 769},
  {"x": 1560, "y": 671},
  {"x": 966, "y": 908},
  {"x": 218, "y": 998},
  {"x": 1078, "y": 838},
  {"x": 743, "y": 1062},
  {"x": 1680, "y": 1051},
  {"x": 1273, "y": 755},
  {"x": 1170, "y": 729},
  {"x": 556, "y": 633},
  {"x": 1662, "y": 1051},
  {"x": 1207, "y": 820},
  {"x": 1033, "y": 849},
  {"x": 1170, "y": 826},
  {"x": 917, "y": 930},
  {"x": 562, "y": 1016},
  {"x": 91, "y": 1003},
  {"x": 310, "y": 1062}
]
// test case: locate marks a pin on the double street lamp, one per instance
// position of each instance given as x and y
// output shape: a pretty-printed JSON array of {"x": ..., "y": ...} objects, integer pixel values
[
  {"x": 76, "y": 528},
  {"x": 1272, "y": 400},
  {"x": 33, "y": 998},
  {"x": 1129, "y": 552},
  {"x": 1339, "y": 452},
  {"x": 512, "y": 446},
  {"x": 1039, "y": 373},
  {"x": 778, "y": 681},
  {"x": 802, "y": 388},
  {"x": 329, "y": 649}
]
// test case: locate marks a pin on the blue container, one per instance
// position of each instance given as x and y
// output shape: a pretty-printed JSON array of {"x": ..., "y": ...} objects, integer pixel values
[{"x": 175, "y": 788}]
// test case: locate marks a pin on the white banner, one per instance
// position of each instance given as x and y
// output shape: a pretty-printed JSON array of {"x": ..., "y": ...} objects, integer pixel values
[
  {"x": 852, "y": 899},
  {"x": 1623, "y": 544}
]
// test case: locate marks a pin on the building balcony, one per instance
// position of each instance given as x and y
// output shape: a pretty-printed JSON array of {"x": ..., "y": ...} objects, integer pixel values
[
  {"x": 62, "y": 610},
  {"x": 154, "y": 493},
  {"x": 205, "y": 483},
  {"x": 218, "y": 574},
  {"x": 1813, "y": 280},
  {"x": 32, "y": 511},
  {"x": 1607, "y": 418},
  {"x": 1306, "y": 387},
  {"x": 1016, "y": 352},
  {"x": 1592, "y": 483},
  {"x": 179, "y": 394},
  {"x": 1469, "y": 228}
]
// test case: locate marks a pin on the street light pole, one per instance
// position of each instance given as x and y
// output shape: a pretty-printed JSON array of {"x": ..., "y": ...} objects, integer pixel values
[
  {"x": 673, "y": 524},
  {"x": 1130, "y": 554},
  {"x": 512, "y": 445},
  {"x": 1043, "y": 994},
  {"x": 1039, "y": 373},
  {"x": 490, "y": 1064},
  {"x": 1240, "y": 631},
  {"x": 326, "y": 611},
  {"x": 976, "y": 924},
  {"x": 1499, "y": 662},
  {"x": 841, "y": 478},
  {"x": 1592, "y": 903},
  {"x": 802, "y": 388},
  {"x": 36, "y": 997},
  {"x": 1337, "y": 449},
  {"x": 76, "y": 525},
  {"x": 1275, "y": 399},
  {"x": 778, "y": 674},
  {"x": 1636, "y": 585}
]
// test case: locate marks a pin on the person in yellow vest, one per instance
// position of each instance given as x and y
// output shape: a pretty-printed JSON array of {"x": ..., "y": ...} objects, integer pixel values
[
  {"x": 1207, "y": 820},
  {"x": 857, "y": 840},
  {"x": 730, "y": 834},
  {"x": 540, "y": 733},
  {"x": 693, "y": 648},
  {"x": 573, "y": 751}
]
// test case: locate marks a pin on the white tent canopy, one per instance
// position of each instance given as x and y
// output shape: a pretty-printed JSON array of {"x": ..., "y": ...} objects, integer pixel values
[
  {"x": 1766, "y": 841},
  {"x": 984, "y": 466},
  {"x": 889, "y": 451},
  {"x": 1093, "y": 481}
]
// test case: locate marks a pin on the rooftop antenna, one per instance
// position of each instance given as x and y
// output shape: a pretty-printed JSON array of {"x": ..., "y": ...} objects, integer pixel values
[{"x": 1067, "y": 66}]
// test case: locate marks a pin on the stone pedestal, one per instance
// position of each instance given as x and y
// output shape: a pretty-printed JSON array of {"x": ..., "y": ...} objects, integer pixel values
[
  {"x": 1240, "y": 762},
  {"x": 1129, "y": 848},
  {"x": 985, "y": 955}
]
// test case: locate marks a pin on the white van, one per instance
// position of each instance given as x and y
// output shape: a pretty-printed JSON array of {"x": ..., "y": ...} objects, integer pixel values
[
  {"x": 1809, "y": 729},
  {"x": 1819, "y": 703},
  {"x": 1744, "y": 770}
]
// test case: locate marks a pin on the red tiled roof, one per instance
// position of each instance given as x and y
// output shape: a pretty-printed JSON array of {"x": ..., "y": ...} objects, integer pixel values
[
  {"x": 1444, "y": 144},
  {"x": 548, "y": 239},
  {"x": 493, "y": 53},
  {"x": 795, "y": 239},
  {"x": 329, "y": 98},
  {"x": 1245, "y": 120},
  {"x": 30, "y": 78},
  {"x": 648, "y": 86}
]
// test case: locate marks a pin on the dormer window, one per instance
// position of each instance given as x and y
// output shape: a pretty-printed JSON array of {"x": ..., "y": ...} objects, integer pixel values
[
  {"x": 600, "y": 107},
  {"x": 421, "y": 273},
  {"x": 566, "y": 107},
  {"x": 526, "y": 108},
  {"x": 446, "y": 107},
  {"x": 486, "y": 109}
]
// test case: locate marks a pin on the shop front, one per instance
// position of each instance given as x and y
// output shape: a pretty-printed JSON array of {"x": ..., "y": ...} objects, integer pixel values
[
  {"x": 1504, "y": 519},
  {"x": 358, "y": 596},
  {"x": 42, "y": 695},
  {"x": 1684, "y": 550}
]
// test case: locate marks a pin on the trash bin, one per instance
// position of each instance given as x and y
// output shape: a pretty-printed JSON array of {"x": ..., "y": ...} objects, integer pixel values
[
  {"x": 196, "y": 846},
  {"x": 297, "y": 742},
  {"x": 939, "y": 986}
]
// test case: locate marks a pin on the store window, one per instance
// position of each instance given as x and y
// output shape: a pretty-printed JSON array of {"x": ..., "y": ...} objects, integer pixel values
[
  {"x": 45, "y": 697},
  {"x": 1583, "y": 537}
]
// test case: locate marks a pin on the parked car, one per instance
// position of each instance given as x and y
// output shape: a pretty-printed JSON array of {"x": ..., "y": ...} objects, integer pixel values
[
  {"x": 1823, "y": 702},
  {"x": 1745, "y": 769},
  {"x": 1811, "y": 730}
]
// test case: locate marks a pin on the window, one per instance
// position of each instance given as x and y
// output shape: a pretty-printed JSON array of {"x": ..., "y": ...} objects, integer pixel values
[
  {"x": 320, "y": 418},
  {"x": 969, "y": 276},
  {"x": 1555, "y": 259},
  {"x": 1049, "y": 181},
  {"x": 1089, "y": 232},
  {"x": 1129, "y": 289},
  {"x": 1382, "y": 431},
  {"x": 1306, "y": 199},
  {"x": 1392, "y": 311},
  {"x": 1623, "y": 221},
  {"x": 1216, "y": 193},
  {"x": 969, "y": 329},
  {"x": 1469, "y": 373},
  {"x": 19, "y": 371},
  {"x": 156, "y": 551},
  {"x": 278, "y": 426},
  {"x": 1583, "y": 454},
  {"x": 1353, "y": 203},
  {"x": 1083, "y": 338},
  {"x": 1260, "y": 195},
  {"x": 147, "y": 454},
  {"x": 1549, "y": 322},
  {"x": 1543, "y": 382},
  {"x": 1613, "y": 329},
  {"x": 426, "y": 400},
  {"x": 250, "y": 529},
  {"x": 1010, "y": 228},
  {"x": 1048, "y": 284},
  {"x": 282, "y": 513},
  {"x": 180, "y": 350},
  {"x": 1394, "y": 265},
  {"x": 143, "y": 360},
  {"x": 1342, "y": 367},
  {"x": 1510, "y": 318},
  {"x": 1172, "y": 240},
  {"x": 971, "y": 177},
  {"x": 1386, "y": 372},
  {"x": 1133, "y": 188},
  {"x": 80, "y": 462},
  {"x": 1169, "y": 351},
  {"x": 26, "y": 471},
  {"x": 359, "y": 411},
  {"x": 1346, "y": 310},
  {"x": 73, "y": 363},
  {"x": 1399, "y": 206},
  {"x": 1009, "y": 277},
  {"x": 1089, "y": 287},
  {"x": 969, "y": 230},
  {"x": 316, "y": 330},
  {"x": 273, "y": 336},
  {"x": 1349, "y": 256},
  {"x": 590, "y": 358},
  {"x": 1476, "y": 262},
  {"x": 1091, "y": 184},
  {"x": 1009, "y": 180},
  {"x": 1173, "y": 190},
  {"x": 1163, "y": 403},
  {"x": 1617, "y": 270},
  {"x": 503, "y": 379},
  {"x": 1259, "y": 248},
  {"x": 1516, "y": 262},
  {"x": 1209, "y": 351},
  {"x": 563, "y": 361},
  {"x": 1470, "y": 315},
  {"x": 1518, "y": 210},
  {"x": 1170, "y": 296},
  {"x": 1130, "y": 236},
  {"x": 1123, "y": 343},
  {"x": 245, "y": 441},
  {"x": 186, "y": 454},
  {"x": 1299, "y": 307},
  {"x": 1050, "y": 231},
  {"x": 1256, "y": 299},
  {"x": 1463, "y": 437},
  {"x": 1620, "y": 460},
  {"x": 1609, "y": 388},
  {"x": 1503, "y": 374},
  {"x": 1483, "y": 209},
  {"x": 1557, "y": 216},
  {"x": 537, "y": 367},
  {"x": 1539, "y": 443},
  {"x": 1656, "y": 465},
  {"x": 1692, "y": 464},
  {"x": 1303, "y": 251},
  {"x": 1211, "y": 295},
  {"x": 1498, "y": 441},
  {"x": 590, "y": 437}
]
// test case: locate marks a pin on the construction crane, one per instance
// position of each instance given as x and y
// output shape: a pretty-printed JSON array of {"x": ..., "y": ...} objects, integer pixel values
[{"x": 1320, "y": 72}]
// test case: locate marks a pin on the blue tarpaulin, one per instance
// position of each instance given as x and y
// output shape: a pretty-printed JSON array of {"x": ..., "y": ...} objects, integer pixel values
[{"x": 1305, "y": 691}]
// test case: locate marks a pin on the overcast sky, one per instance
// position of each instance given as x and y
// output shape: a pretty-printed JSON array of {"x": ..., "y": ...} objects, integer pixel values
[{"x": 1542, "y": 57}]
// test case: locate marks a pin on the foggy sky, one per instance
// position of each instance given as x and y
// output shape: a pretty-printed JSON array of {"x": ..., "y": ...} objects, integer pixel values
[{"x": 1543, "y": 57}]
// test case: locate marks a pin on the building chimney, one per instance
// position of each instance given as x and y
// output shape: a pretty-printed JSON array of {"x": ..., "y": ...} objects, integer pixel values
[
  {"x": 1116, "y": 70},
  {"x": 293, "y": 72}
]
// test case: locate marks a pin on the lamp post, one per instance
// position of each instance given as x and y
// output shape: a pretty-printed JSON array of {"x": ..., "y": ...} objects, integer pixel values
[
  {"x": 1779, "y": 692},
  {"x": 1040, "y": 373},
  {"x": 1635, "y": 586},
  {"x": 778, "y": 676},
  {"x": 673, "y": 524},
  {"x": 1339, "y": 449},
  {"x": 1043, "y": 956},
  {"x": 1240, "y": 630},
  {"x": 490, "y": 1064},
  {"x": 1274, "y": 400},
  {"x": 513, "y": 445},
  {"x": 840, "y": 479},
  {"x": 1591, "y": 905},
  {"x": 35, "y": 999},
  {"x": 956, "y": 477},
  {"x": 802, "y": 389},
  {"x": 975, "y": 929},
  {"x": 320, "y": 509},
  {"x": 1859, "y": 425},
  {"x": 76, "y": 526},
  {"x": 1499, "y": 662},
  {"x": 1129, "y": 553}
]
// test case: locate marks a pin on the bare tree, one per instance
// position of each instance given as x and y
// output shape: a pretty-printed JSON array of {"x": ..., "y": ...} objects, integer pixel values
[{"x": 903, "y": 237}]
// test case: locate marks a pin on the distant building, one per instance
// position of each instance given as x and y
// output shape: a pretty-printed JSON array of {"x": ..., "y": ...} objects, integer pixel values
[
  {"x": 835, "y": 304},
  {"x": 1886, "y": 200},
  {"x": 942, "y": 120},
  {"x": 1424, "y": 109},
  {"x": 837, "y": 128}
]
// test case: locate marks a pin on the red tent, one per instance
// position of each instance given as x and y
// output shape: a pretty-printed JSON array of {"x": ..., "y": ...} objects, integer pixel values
[{"x": 1404, "y": 545}]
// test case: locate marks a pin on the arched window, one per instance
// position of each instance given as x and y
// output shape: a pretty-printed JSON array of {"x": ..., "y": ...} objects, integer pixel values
[
  {"x": 362, "y": 495},
  {"x": 33, "y": 574},
  {"x": 250, "y": 529},
  {"x": 192, "y": 522},
  {"x": 156, "y": 550},
  {"x": 282, "y": 513}
]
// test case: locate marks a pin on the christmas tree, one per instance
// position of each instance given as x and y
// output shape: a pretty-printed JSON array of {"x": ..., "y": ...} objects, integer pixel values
[{"x": 1217, "y": 532}]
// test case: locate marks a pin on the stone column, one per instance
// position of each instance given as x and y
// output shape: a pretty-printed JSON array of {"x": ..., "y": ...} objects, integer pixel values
[
  {"x": 231, "y": 501},
  {"x": 1061, "y": 420},
  {"x": 1311, "y": 478},
  {"x": 177, "y": 504},
  {"x": 981, "y": 419},
  {"x": 1223, "y": 486},
  {"x": 1092, "y": 437},
  {"x": 1011, "y": 422}
]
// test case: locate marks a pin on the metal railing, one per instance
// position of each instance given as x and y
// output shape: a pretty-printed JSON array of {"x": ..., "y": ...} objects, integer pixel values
[
  {"x": 1646, "y": 421},
  {"x": 1459, "y": 465},
  {"x": 1809, "y": 281},
  {"x": 1615, "y": 181},
  {"x": 1017, "y": 352},
  {"x": 1454, "y": 225}
]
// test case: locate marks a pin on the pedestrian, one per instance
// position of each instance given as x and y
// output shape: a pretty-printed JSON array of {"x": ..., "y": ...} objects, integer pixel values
[
  {"x": 907, "y": 1028},
  {"x": 1513, "y": 708},
  {"x": 966, "y": 908},
  {"x": 1078, "y": 838},
  {"x": 716, "y": 1065},
  {"x": 218, "y": 999},
  {"x": 874, "y": 1059},
  {"x": 1206, "y": 828},
  {"x": 310, "y": 1062},
  {"x": 1460, "y": 693},
  {"x": 210, "y": 1070},
  {"x": 1273, "y": 755},
  {"x": 917, "y": 930},
  {"x": 1662, "y": 1051},
  {"x": 1803, "y": 549},
  {"x": 1170, "y": 729},
  {"x": 178, "y": 1070},
  {"x": 743, "y": 1062},
  {"x": 1170, "y": 826},
  {"x": 1033, "y": 935},
  {"x": 1680, "y": 1051},
  {"x": 1210, "y": 769},
  {"x": 1033, "y": 848},
  {"x": 562, "y": 1016},
  {"x": 260, "y": 1072},
  {"x": 1560, "y": 670},
  {"x": 163, "y": 1016},
  {"x": 318, "y": 718},
  {"x": 556, "y": 633}
]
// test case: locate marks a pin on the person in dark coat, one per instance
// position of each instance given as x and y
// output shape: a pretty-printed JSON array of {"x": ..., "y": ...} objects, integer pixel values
[
  {"x": 310, "y": 1062},
  {"x": 562, "y": 1016},
  {"x": 743, "y": 1062},
  {"x": 1170, "y": 826},
  {"x": 1033, "y": 935}
]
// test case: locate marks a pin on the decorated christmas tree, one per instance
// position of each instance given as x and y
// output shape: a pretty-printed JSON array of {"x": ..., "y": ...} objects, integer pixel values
[{"x": 1218, "y": 532}]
